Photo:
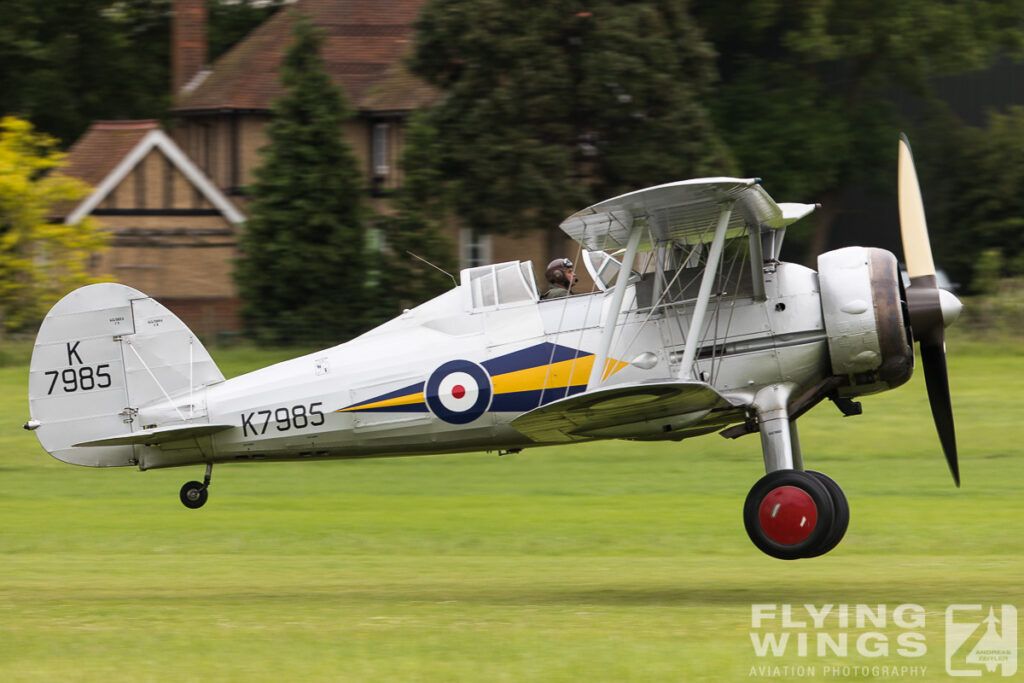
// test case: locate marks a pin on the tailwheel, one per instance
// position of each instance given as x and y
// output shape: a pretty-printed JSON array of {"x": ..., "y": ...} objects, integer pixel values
[
  {"x": 193, "y": 495},
  {"x": 789, "y": 514}
]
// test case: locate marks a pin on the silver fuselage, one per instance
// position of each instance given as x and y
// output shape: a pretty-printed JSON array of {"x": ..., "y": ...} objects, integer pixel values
[{"x": 309, "y": 407}]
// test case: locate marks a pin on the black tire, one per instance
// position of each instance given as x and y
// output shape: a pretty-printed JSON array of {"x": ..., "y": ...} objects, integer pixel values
[
  {"x": 840, "y": 516},
  {"x": 789, "y": 542},
  {"x": 193, "y": 495}
]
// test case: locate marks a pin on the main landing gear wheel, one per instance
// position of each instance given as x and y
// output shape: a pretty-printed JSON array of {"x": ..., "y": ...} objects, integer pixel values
[
  {"x": 193, "y": 495},
  {"x": 840, "y": 514},
  {"x": 789, "y": 514}
]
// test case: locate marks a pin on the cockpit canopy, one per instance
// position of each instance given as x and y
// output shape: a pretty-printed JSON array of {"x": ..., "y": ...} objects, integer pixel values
[{"x": 498, "y": 285}]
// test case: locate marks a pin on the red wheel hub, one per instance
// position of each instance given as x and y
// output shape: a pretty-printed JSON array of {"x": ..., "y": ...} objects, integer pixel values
[{"x": 788, "y": 515}]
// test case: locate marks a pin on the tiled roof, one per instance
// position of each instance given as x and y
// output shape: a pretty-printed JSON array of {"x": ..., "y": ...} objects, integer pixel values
[
  {"x": 109, "y": 150},
  {"x": 103, "y": 146},
  {"x": 365, "y": 42},
  {"x": 398, "y": 90}
]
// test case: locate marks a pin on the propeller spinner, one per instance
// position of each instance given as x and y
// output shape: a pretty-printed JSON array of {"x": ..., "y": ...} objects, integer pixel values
[{"x": 931, "y": 309}]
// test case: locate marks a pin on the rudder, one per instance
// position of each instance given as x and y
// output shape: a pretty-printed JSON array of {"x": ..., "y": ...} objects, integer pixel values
[{"x": 103, "y": 352}]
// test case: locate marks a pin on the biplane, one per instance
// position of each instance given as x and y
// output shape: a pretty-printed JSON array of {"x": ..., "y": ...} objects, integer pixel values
[{"x": 694, "y": 326}]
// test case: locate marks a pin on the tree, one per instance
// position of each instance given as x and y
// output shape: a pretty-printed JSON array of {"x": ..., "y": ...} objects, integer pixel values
[
  {"x": 548, "y": 108},
  {"x": 232, "y": 20},
  {"x": 807, "y": 93},
  {"x": 40, "y": 260},
  {"x": 64, "y": 63},
  {"x": 303, "y": 265},
  {"x": 979, "y": 214},
  {"x": 414, "y": 228}
]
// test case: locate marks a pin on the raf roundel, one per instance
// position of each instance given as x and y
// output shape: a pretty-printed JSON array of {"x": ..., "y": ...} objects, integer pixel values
[{"x": 458, "y": 392}]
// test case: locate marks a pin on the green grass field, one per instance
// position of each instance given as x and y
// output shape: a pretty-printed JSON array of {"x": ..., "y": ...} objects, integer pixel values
[{"x": 608, "y": 561}]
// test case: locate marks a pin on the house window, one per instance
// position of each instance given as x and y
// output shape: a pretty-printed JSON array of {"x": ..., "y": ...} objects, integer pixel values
[
  {"x": 380, "y": 145},
  {"x": 474, "y": 248}
]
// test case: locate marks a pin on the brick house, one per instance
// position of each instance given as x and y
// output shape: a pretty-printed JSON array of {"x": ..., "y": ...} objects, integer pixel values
[{"x": 173, "y": 231}]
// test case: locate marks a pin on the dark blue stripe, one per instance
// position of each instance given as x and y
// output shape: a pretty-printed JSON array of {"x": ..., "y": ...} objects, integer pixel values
[
  {"x": 531, "y": 357},
  {"x": 522, "y": 401}
]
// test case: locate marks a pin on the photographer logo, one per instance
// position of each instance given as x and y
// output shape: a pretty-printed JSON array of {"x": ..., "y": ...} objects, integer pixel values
[{"x": 977, "y": 643}]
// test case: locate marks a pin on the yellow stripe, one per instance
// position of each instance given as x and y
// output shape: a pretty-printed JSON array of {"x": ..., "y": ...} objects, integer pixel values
[
  {"x": 611, "y": 366},
  {"x": 572, "y": 372},
  {"x": 399, "y": 401},
  {"x": 554, "y": 376}
]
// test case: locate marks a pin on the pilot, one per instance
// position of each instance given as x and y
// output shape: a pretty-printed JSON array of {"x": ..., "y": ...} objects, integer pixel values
[{"x": 560, "y": 275}]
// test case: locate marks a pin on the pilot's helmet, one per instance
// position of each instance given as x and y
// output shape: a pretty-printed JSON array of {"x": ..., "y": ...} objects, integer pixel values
[{"x": 556, "y": 271}]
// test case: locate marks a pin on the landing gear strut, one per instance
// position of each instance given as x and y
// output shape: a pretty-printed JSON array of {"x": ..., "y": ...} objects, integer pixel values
[
  {"x": 194, "y": 494},
  {"x": 791, "y": 513}
]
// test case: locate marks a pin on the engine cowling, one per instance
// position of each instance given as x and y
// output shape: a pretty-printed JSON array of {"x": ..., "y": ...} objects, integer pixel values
[{"x": 863, "y": 303}]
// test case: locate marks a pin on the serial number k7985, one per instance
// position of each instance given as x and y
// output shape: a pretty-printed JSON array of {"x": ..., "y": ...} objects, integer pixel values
[
  {"x": 82, "y": 378},
  {"x": 284, "y": 419}
]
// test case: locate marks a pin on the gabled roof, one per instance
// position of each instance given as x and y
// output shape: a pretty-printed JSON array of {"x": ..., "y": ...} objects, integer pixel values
[
  {"x": 99, "y": 150},
  {"x": 363, "y": 48},
  {"x": 108, "y": 152}
]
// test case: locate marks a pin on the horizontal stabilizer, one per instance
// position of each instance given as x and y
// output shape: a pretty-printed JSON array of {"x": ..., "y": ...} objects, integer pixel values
[
  {"x": 622, "y": 411},
  {"x": 158, "y": 435}
]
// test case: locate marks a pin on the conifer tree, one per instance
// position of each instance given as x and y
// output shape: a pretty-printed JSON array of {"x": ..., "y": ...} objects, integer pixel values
[
  {"x": 415, "y": 228},
  {"x": 303, "y": 267},
  {"x": 549, "y": 106}
]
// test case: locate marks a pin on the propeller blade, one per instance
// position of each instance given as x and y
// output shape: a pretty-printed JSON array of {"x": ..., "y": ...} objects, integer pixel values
[
  {"x": 936, "y": 378},
  {"x": 930, "y": 308},
  {"x": 917, "y": 249}
]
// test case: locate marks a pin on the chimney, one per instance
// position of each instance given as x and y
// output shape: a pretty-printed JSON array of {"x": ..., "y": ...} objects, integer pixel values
[{"x": 188, "y": 42}]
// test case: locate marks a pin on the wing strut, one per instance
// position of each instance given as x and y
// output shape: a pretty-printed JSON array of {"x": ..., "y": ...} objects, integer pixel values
[
  {"x": 704, "y": 294},
  {"x": 597, "y": 372},
  {"x": 757, "y": 263},
  {"x": 659, "y": 273}
]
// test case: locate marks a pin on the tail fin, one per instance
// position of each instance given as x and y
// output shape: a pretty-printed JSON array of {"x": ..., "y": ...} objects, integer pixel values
[{"x": 103, "y": 352}]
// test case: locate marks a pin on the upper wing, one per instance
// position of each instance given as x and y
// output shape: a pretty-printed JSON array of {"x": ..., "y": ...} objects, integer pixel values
[
  {"x": 684, "y": 212},
  {"x": 622, "y": 411}
]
